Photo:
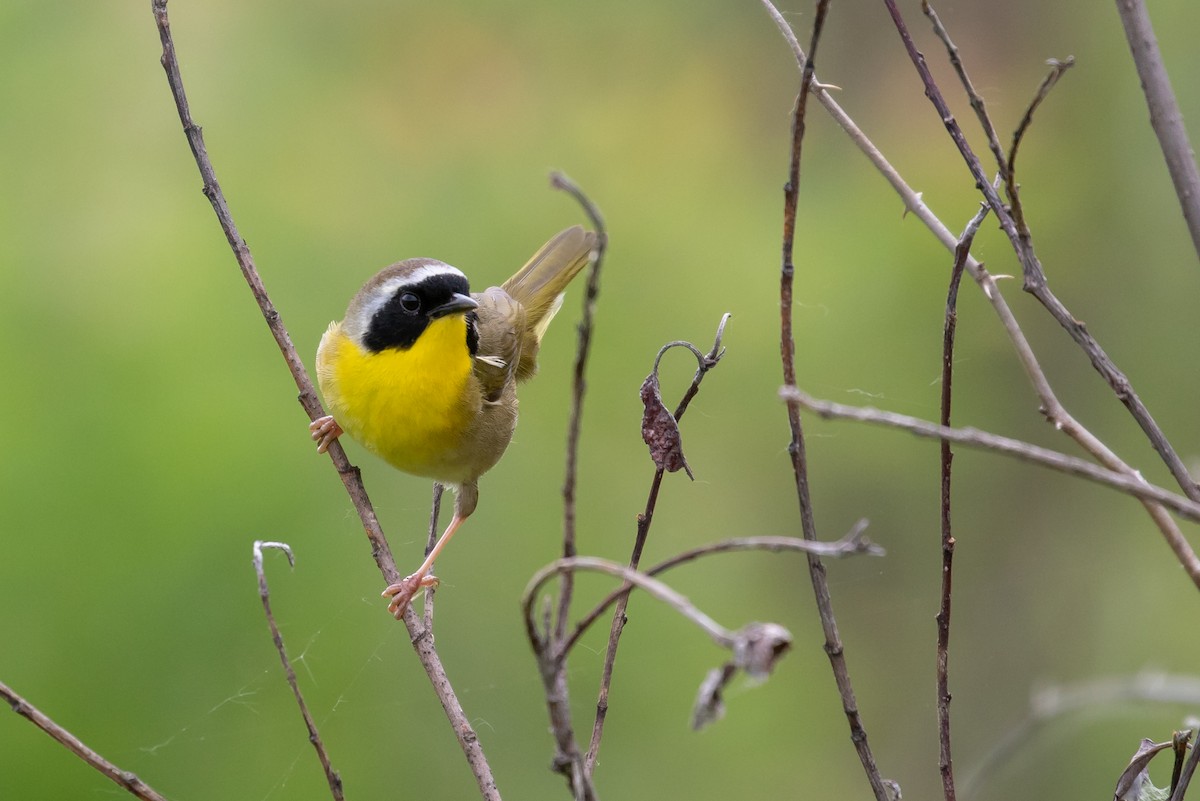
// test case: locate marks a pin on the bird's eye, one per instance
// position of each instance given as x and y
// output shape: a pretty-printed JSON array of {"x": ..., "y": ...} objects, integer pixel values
[{"x": 410, "y": 302}]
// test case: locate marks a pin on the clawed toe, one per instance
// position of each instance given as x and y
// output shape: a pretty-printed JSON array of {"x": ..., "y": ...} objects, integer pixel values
[
  {"x": 324, "y": 430},
  {"x": 402, "y": 592}
]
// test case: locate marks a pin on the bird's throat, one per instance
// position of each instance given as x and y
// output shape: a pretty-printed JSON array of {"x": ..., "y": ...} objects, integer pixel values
[{"x": 410, "y": 406}]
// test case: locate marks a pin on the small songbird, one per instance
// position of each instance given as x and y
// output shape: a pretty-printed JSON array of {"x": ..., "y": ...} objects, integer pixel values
[{"x": 423, "y": 373}]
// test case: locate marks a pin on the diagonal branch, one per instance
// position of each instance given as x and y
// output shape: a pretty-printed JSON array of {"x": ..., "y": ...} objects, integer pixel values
[
  {"x": 974, "y": 438},
  {"x": 977, "y": 104},
  {"x": 314, "y": 736},
  {"x": 720, "y": 635},
  {"x": 796, "y": 448},
  {"x": 1035, "y": 284},
  {"x": 123, "y": 778},
  {"x": 1165, "y": 116},
  {"x": 704, "y": 363},
  {"x": 854, "y": 543},
  {"x": 1057, "y": 68},
  {"x": 352, "y": 480}
]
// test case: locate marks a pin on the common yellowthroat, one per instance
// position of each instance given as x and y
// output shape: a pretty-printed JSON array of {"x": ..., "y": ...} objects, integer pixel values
[{"x": 424, "y": 374}]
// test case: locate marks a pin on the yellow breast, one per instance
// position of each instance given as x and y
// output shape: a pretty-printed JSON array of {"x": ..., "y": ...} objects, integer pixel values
[{"x": 411, "y": 407}]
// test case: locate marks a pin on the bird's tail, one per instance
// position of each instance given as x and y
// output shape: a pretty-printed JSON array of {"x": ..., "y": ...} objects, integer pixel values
[{"x": 540, "y": 284}]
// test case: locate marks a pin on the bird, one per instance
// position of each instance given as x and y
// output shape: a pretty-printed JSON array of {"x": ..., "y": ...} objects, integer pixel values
[{"x": 423, "y": 373}]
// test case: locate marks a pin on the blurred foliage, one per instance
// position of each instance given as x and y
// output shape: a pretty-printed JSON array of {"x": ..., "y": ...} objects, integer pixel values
[{"x": 153, "y": 432}]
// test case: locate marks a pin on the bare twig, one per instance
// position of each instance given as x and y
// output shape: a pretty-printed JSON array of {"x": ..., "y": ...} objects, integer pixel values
[
  {"x": 754, "y": 649},
  {"x": 1165, "y": 116},
  {"x": 912, "y": 199},
  {"x": 1184, "y": 777},
  {"x": 308, "y": 396},
  {"x": 1006, "y": 164},
  {"x": 314, "y": 736},
  {"x": 1130, "y": 484},
  {"x": 435, "y": 511},
  {"x": 568, "y": 760},
  {"x": 1057, "y": 68},
  {"x": 719, "y": 634},
  {"x": 579, "y": 383},
  {"x": 945, "y": 761},
  {"x": 421, "y": 639},
  {"x": 852, "y": 544},
  {"x": 977, "y": 104},
  {"x": 123, "y": 778},
  {"x": 1179, "y": 744},
  {"x": 816, "y": 569},
  {"x": 704, "y": 363},
  {"x": 1035, "y": 284},
  {"x": 914, "y": 202}
]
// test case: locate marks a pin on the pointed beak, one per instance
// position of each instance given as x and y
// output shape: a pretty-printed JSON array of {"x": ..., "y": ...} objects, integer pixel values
[{"x": 458, "y": 304}]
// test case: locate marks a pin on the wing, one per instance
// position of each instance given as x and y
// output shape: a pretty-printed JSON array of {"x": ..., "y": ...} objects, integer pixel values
[{"x": 500, "y": 322}]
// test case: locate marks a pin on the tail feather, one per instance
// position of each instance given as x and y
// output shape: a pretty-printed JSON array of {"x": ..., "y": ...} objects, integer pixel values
[{"x": 539, "y": 285}]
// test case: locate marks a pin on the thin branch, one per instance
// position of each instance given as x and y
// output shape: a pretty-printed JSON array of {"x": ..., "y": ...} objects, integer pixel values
[
  {"x": 420, "y": 637},
  {"x": 787, "y": 348},
  {"x": 852, "y": 544},
  {"x": 1006, "y": 164},
  {"x": 1185, "y": 776},
  {"x": 704, "y": 363},
  {"x": 755, "y": 648},
  {"x": 1035, "y": 284},
  {"x": 568, "y": 760},
  {"x": 1057, "y": 68},
  {"x": 912, "y": 199},
  {"x": 1179, "y": 744},
  {"x": 720, "y": 635},
  {"x": 308, "y": 395},
  {"x": 972, "y": 437},
  {"x": 914, "y": 202},
  {"x": 977, "y": 104},
  {"x": 949, "y": 326},
  {"x": 122, "y": 778},
  {"x": 579, "y": 382},
  {"x": 1165, "y": 116},
  {"x": 935, "y": 97},
  {"x": 314, "y": 736},
  {"x": 431, "y": 538}
]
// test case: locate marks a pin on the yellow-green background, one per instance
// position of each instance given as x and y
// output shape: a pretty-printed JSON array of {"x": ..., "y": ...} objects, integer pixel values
[{"x": 151, "y": 432}]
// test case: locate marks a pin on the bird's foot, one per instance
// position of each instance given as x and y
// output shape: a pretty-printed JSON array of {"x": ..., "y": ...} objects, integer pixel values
[
  {"x": 402, "y": 592},
  {"x": 324, "y": 430}
]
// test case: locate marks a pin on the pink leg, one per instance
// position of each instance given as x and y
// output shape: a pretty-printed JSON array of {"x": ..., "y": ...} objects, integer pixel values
[
  {"x": 402, "y": 592},
  {"x": 324, "y": 430}
]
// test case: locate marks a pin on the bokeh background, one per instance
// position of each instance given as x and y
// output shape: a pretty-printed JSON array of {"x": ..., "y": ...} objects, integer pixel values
[{"x": 152, "y": 431}]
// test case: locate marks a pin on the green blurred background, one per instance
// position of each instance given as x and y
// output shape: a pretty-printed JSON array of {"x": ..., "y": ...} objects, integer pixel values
[{"x": 153, "y": 432}]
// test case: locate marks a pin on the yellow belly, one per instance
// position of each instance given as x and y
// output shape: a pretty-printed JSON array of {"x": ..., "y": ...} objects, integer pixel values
[{"x": 410, "y": 407}]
